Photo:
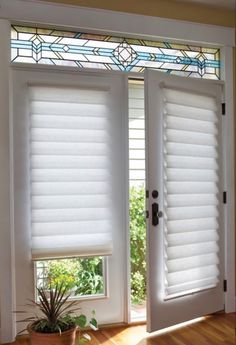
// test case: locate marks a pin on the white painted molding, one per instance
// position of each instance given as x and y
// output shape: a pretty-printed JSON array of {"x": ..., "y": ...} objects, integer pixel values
[
  {"x": 125, "y": 24},
  {"x": 229, "y": 166},
  {"x": 6, "y": 245}
]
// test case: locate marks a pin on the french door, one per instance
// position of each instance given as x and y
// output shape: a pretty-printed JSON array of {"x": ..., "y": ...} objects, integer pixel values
[
  {"x": 51, "y": 135},
  {"x": 185, "y": 225}
]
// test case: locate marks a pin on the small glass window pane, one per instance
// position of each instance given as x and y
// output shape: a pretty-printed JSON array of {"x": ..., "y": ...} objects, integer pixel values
[{"x": 84, "y": 277}]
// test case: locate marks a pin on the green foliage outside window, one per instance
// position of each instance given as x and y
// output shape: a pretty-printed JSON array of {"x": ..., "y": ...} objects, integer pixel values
[
  {"x": 138, "y": 244},
  {"x": 84, "y": 276}
]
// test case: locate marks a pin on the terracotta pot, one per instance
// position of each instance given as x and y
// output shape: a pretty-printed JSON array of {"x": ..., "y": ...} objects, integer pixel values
[{"x": 65, "y": 338}]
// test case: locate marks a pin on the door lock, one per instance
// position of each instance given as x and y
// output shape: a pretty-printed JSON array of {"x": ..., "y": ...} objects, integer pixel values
[
  {"x": 156, "y": 214},
  {"x": 155, "y": 194},
  {"x": 155, "y": 210}
]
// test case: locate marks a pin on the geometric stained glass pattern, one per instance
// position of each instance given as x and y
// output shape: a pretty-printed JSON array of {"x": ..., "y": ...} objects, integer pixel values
[{"x": 47, "y": 46}]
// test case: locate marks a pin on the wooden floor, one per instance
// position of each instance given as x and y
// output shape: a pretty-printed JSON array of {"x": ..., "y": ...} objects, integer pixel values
[{"x": 218, "y": 329}]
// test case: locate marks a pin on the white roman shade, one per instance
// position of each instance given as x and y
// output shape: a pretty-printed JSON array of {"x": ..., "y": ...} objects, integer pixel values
[
  {"x": 70, "y": 169},
  {"x": 191, "y": 191}
]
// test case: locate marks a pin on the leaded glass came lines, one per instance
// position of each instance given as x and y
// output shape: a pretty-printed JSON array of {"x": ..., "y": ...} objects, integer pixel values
[{"x": 46, "y": 46}]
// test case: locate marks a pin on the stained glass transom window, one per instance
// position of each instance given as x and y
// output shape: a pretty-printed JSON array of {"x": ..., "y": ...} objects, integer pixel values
[{"x": 47, "y": 46}]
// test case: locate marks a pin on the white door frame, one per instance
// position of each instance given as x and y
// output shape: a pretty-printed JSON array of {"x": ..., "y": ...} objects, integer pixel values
[{"x": 94, "y": 20}]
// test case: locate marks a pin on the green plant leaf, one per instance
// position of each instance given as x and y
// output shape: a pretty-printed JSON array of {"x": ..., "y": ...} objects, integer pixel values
[
  {"x": 81, "y": 321},
  {"x": 86, "y": 336},
  {"x": 93, "y": 324},
  {"x": 81, "y": 341}
]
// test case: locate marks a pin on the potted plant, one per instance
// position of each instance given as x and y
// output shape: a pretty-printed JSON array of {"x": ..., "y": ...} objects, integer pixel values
[{"x": 57, "y": 323}]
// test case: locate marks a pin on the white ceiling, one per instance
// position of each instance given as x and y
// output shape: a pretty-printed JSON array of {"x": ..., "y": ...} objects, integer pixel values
[{"x": 230, "y": 4}]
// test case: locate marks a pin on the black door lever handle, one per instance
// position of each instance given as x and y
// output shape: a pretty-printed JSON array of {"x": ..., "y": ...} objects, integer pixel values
[{"x": 155, "y": 210}]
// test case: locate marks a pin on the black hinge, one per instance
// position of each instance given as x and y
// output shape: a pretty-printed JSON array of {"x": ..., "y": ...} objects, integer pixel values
[
  {"x": 147, "y": 194},
  {"x": 223, "y": 108},
  {"x": 147, "y": 214},
  {"x": 224, "y": 198},
  {"x": 225, "y": 285}
]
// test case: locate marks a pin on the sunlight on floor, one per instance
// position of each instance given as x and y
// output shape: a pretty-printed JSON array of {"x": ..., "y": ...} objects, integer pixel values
[
  {"x": 178, "y": 326},
  {"x": 137, "y": 335}
]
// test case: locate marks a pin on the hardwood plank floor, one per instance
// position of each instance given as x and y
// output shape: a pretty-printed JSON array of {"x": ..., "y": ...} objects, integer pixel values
[{"x": 217, "y": 329}]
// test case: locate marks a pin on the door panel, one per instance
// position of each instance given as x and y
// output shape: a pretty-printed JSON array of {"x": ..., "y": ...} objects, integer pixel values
[
  {"x": 109, "y": 308},
  {"x": 185, "y": 227}
]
